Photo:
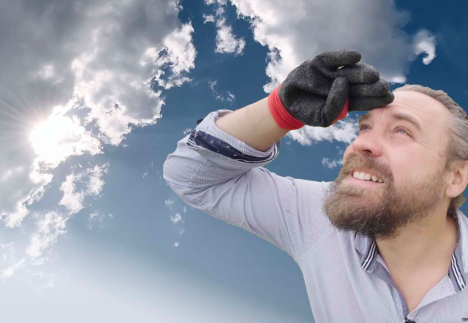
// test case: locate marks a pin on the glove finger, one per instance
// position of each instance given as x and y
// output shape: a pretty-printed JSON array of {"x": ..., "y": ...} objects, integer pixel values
[
  {"x": 334, "y": 59},
  {"x": 359, "y": 73},
  {"x": 369, "y": 103},
  {"x": 379, "y": 88},
  {"x": 339, "y": 94}
]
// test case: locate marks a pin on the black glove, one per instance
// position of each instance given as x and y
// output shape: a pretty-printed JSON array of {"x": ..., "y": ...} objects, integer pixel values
[{"x": 315, "y": 93}]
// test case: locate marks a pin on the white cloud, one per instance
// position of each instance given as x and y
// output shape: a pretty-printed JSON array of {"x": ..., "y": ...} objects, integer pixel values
[
  {"x": 221, "y": 2},
  {"x": 7, "y": 273},
  {"x": 333, "y": 163},
  {"x": 47, "y": 72},
  {"x": 176, "y": 218},
  {"x": 52, "y": 141},
  {"x": 208, "y": 18},
  {"x": 344, "y": 130},
  {"x": 178, "y": 54},
  {"x": 8, "y": 251},
  {"x": 95, "y": 182},
  {"x": 228, "y": 96},
  {"x": 91, "y": 177},
  {"x": 49, "y": 227},
  {"x": 71, "y": 199},
  {"x": 296, "y": 31},
  {"x": 425, "y": 43},
  {"x": 169, "y": 202},
  {"x": 94, "y": 215},
  {"x": 60, "y": 137},
  {"x": 97, "y": 217},
  {"x": 226, "y": 42},
  {"x": 85, "y": 74}
]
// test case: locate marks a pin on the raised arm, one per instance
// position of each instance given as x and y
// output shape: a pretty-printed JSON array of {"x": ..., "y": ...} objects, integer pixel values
[
  {"x": 219, "y": 167},
  {"x": 253, "y": 125}
]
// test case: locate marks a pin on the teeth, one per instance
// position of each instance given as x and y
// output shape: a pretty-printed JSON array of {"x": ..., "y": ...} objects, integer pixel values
[{"x": 366, "y": 177}]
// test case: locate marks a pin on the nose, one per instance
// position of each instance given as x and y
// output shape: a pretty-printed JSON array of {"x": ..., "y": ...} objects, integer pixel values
[{"x": 368, "y": 143}]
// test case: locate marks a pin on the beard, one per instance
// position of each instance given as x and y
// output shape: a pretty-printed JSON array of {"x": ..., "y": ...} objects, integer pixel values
[{"x": 382, "y": 210}]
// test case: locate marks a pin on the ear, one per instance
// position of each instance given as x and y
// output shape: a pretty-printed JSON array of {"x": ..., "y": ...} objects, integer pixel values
[{"x": 459, "y": 180}]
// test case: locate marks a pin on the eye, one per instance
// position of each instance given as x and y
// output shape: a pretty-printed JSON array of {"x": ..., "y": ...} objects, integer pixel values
[
  {"x": 402, "y": 129},
  {"x": 397, "y": 129}
]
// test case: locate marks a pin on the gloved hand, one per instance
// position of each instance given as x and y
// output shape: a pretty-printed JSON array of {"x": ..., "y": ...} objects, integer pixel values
[{"x": 316, "y": 92}]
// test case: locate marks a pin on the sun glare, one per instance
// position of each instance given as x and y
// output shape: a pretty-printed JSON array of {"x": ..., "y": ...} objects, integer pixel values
[{"x": 46, "y": 137}]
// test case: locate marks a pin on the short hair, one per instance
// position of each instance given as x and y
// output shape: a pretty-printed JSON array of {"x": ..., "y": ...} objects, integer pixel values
[{"x": 457, "y": 130}]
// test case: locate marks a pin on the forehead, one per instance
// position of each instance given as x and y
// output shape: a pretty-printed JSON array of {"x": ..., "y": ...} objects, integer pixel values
[{"x": 428, "y": 112}]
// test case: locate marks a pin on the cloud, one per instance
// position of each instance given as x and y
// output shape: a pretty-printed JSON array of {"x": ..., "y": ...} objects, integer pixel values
[
  {"x": 97, "y": 217},
  {"x": 178, "y": 54},
  {"x": 176, "y": 218},
  {"x": 71, "y": 199},
  {"x": 208, "y": 18},
  {"x": 296, "y": 31},
  {"x": 49, "y": 227},
  {"x": 333, "y": 163},
  {"x": 219, "y": 96},
  {"x": 226, "y": 42},
  {"x": 7, "y": 273},
  {"x": 52, "y": 224},
  {"x": 92, "y": 179},
  {"x": 76, "y": 76},
  {"x": 425, "y": 43},
  {"x": 344, "y": 131},
  {"x": 187, "y": 131},
  {"x": 8, "y": 251}
]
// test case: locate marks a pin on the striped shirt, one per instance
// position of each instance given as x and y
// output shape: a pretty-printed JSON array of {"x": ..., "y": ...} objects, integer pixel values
[{"x": 346, "y": 278}]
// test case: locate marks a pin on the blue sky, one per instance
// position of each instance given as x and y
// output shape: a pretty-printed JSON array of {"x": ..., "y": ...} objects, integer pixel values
[{"x": 95, "y": 94}]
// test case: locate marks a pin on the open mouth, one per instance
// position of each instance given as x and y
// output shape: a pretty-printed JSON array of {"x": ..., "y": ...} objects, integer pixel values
[{"x": 362, "y": 181}]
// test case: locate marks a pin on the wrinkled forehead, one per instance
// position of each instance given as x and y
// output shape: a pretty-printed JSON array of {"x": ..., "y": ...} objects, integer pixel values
[{"x": 423, "y": 112}]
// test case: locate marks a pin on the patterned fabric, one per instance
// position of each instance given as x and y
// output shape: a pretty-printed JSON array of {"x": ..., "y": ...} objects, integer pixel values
[{"x": 345, "y": 277}]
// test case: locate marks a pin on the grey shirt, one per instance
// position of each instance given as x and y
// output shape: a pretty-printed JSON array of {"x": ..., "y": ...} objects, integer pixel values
[{"x": 345, "y": 277}]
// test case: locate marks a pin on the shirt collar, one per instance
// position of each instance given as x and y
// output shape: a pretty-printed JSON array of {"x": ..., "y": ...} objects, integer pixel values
[{"x": 367, "y": 250}]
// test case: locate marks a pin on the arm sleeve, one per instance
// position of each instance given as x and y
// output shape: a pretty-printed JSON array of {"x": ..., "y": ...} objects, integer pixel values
[{"x": 222, "y": 176}]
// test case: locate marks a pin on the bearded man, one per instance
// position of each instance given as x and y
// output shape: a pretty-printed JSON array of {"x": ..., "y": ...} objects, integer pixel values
[{"x": 386, "y": 240}]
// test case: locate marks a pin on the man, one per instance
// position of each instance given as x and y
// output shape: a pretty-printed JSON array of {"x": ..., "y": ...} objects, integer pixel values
[{"x": 385, "y": 241}]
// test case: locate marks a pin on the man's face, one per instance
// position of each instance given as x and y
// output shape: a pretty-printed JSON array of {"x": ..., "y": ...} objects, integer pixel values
[{"x": 410, "y": 161}]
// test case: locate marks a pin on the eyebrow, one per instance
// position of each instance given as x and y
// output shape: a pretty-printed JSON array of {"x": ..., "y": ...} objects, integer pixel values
[{"x": 396, "y": 116}]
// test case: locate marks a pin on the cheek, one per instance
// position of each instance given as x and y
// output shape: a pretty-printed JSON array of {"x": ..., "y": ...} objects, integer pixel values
[{"x": 409, "y": 168}]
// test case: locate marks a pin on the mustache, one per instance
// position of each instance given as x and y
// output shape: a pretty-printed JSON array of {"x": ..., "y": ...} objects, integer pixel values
[{"x": 355, "y": 161}]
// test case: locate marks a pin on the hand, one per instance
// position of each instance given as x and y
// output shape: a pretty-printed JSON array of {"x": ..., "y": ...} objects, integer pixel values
[{"x": 319, "y": 91}]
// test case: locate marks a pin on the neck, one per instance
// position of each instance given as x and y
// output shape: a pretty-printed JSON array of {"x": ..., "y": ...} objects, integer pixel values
[{"x": 426, "y": 243}]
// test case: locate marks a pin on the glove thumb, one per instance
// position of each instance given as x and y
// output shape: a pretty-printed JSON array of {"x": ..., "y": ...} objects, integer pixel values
[{"x": 337, "y": 101}]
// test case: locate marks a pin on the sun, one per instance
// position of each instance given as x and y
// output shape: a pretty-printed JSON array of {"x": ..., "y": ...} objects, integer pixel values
[{"x": 48, "y": 137}]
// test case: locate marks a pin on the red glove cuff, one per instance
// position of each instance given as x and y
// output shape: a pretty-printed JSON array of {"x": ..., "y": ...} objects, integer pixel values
[
  {"x": 344, "y": 113},
  {"x": 279, "y": 113},
  {"x": 284, "y": 119}
]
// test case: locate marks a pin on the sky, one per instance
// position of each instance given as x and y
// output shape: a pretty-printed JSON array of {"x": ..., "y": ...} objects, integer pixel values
[{"x": 95, "y": 94}]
